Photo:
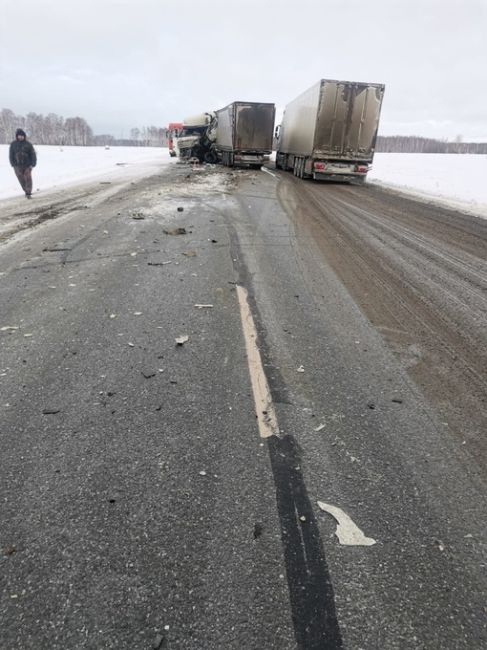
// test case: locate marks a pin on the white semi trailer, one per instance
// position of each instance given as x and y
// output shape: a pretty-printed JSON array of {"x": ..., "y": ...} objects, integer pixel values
[
  {"x": 329, "y": 132},
  {"x": 244, "y": 132}
]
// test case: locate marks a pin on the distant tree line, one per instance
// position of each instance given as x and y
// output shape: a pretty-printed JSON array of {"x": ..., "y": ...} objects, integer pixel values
[
  {"x": 414, "y": 144},
  {"x": 54, "y": 129}
]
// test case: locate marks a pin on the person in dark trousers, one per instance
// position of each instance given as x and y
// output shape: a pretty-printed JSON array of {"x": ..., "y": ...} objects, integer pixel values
[{"x": 23, "y": 158}]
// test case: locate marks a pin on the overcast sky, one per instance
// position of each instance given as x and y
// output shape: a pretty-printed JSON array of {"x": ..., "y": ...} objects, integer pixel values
[{"x": 132, "y": 63}]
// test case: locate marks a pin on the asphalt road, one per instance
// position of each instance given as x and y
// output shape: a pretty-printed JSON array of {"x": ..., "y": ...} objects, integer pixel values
[{"x": 140, "y": 508}]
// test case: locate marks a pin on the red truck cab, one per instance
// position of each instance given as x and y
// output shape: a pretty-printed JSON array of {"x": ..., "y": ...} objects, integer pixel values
[{"x": 173, "y": 130}]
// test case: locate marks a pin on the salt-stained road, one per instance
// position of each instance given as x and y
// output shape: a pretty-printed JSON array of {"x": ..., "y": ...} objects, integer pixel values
[{"x": 146, "y": 499}]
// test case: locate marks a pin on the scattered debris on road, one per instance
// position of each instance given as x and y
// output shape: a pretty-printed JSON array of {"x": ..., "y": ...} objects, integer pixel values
[
  {"x": 175, "y": 231},
  {"x": 181, "y": 340},
  {"x": 258, "y": 530},
  {"x": 203, "y": 306},
  {"x": 9, "y": 550},
  {"x": 50, "y": 411},
  {"x": 348, "y": 533}
]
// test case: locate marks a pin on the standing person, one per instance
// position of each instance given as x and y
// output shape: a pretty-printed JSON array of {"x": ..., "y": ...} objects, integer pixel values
[{"x": 23, "y": 158}]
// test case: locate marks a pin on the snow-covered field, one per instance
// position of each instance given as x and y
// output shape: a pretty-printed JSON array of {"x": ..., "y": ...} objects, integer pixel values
[
  {"x": 458, "y": 180},
  {"x": 455, "y": 180},
  {"x": 59, "y": 166}
]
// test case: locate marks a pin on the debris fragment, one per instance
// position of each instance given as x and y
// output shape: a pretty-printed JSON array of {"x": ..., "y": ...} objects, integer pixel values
[
  {"x": 158, "y": 263},
  {"x": 137, "y": 313},
  {"x": 348, "y": 533},
  {"x": 189, "y": 253},
  {"x": 6, "y": 328},
  {"x": 137, "y": 216},
  {"x": 396, "y": 400},
  {"x": 300, "y": 369},
  {"x": 175, "y": 231},
  {"x": 131, "y": 345},
  {"x": 157, "y": 643},
  {"x": 50, "y": 411},
  {"x": 146, "y": 375},
  {"x": 181, "y": 340},
  {"x": 320, "y": 427},
  {"x": 113, "y": 315},
  {"x": 202, "y": 473},
  {"x": 9, "y": 550},
  {"x": 258, "y": 529},
  {"x": 180, "y": 209},
  {"x": 198, "y": 306}
]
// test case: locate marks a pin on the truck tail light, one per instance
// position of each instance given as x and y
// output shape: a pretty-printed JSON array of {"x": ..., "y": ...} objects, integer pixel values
[
  {"x": 319, "y": 166},
  {"x": 362, "y": 169}
]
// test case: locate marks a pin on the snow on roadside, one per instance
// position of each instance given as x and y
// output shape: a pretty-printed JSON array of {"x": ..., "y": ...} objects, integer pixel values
[
  {"x": 455, "y": 180},
  {"x": 60, "y": 166}
]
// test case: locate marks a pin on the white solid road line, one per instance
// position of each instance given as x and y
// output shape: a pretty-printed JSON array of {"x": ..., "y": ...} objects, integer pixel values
[{"x": 264, "y": 407}]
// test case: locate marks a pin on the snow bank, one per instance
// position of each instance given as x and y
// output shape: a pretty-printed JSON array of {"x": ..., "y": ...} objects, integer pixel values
[
  {"x": 57, "y": 166},
  {"x": 457, "y": 180}
]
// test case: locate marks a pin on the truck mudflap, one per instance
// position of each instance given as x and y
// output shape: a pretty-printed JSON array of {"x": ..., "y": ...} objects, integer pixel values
[
  {"x": 345, "y": 178},
  {"x": 251, "y": 160},
  {"x": 336, "y": 171}
]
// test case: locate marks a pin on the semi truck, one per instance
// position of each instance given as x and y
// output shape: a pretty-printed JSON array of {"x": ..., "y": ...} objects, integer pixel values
[
  {"x": 244, "y": 133},
  {"x": 329, "y": 131}
]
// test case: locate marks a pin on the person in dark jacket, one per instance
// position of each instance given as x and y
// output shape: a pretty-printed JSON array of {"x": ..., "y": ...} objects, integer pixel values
[{"x": 23, "y": 158}]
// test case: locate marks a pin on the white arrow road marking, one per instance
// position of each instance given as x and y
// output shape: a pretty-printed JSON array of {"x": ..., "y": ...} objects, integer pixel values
[
  {"x": 264, "y": 407},
  {"x": 348, "y": 533}
]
